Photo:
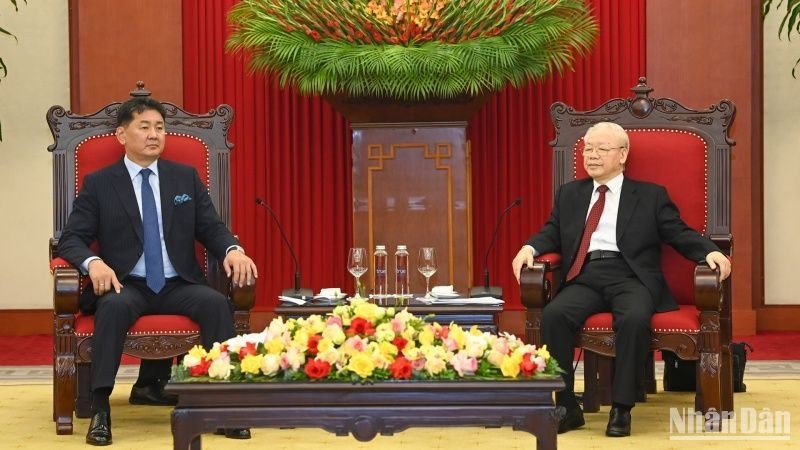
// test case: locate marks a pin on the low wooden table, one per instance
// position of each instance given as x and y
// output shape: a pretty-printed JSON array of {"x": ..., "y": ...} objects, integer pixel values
[
  {"x": 486, "y": 317},
  {"x": 365, "y": 409}
]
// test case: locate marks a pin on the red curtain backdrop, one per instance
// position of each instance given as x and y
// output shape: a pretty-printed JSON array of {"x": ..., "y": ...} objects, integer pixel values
[{"x": 294, "y": 151}]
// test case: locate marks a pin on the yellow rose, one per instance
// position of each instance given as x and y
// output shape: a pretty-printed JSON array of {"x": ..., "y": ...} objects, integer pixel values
[
  {"x": 335, "y": 334},
  {"x": 361, "y": 363},
  {"x": 324, "y": 345},
  {"x": 197, "y": 352},
  {"x": 509, "y": 367},
  {"x": 366, "y": 310},
  {"x": 426, "y": 336},
  {"x": 270, "y": 364},
  {"x": 543, "y": 352},
  {"x": 274, "y": 346},
  {"x": 387, "y": 350},
  {"x": 214, "y": 352},
  {"x": 252, "y": 364},
  {"x": 457, "y": 334}
]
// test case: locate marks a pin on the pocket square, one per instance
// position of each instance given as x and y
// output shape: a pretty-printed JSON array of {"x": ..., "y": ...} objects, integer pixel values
[{"x": 181, "y": 199}]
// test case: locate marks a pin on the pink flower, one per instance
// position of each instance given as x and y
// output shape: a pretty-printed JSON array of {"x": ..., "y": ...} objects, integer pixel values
[
  {"x": 334, "y": 320},
  {"x": 464, "y": 364}
]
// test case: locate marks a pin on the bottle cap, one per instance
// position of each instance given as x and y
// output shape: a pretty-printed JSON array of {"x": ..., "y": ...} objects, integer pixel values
[
  {"x": 401, "y": 247},
  {"x": 380, "y": 247}
]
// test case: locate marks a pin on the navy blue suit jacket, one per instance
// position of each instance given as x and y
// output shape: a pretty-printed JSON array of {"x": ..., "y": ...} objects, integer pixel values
[{"x": 106, "y": 211}]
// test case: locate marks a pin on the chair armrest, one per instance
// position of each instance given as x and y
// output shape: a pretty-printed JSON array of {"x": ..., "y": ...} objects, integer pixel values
[
  {"x": 244, "y": 298},
  {"x": 66, "y": 286},
  {"x": 707, "y": 288},
  {"x": 534, "y": 282}
]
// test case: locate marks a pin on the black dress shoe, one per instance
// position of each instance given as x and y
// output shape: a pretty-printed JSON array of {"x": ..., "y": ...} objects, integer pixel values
[
  {"x": 234, "y": 433},
  {"x": 619, "y": 422},
  {"x": 152, "y": 394},
  {"x": 99, "y": 429},
  {"x": 569, "y": 419}
]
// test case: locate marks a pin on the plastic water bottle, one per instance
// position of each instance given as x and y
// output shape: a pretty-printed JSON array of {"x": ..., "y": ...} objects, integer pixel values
[
  {"x": 380, "y": 258},
  {"x": 401, "y": 287}
]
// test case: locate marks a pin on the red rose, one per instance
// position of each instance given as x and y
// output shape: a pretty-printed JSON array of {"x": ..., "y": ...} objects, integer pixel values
[
  {"x": 361, "y": 327},
  {"x": 313, "y": 342},
  {"x": 528, "y": 366},
  {"x": 400, "y": 343},
  {"x": 200, "y": 369},
  {"x": 316, "y": 369},
  {"x": 248, "y": 349},
  {"x": 400, "y": 368}
]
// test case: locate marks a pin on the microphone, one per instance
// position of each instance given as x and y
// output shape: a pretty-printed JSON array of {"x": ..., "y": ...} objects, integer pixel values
[
  {"x": 297, "y": 292},
  {"x": 486, "y": 290}
]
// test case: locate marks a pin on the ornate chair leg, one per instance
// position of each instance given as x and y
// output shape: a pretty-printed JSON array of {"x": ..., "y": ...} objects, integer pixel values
[{"x": 63, "y": 393}]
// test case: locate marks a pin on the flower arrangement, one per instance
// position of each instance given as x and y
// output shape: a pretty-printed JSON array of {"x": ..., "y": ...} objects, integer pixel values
[
  {"x": 410, "y": 49},
  {"x": 363, "y": 342}
]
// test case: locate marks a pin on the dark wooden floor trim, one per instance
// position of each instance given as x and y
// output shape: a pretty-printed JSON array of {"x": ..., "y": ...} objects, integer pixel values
[{"x": 24, "y": 322}]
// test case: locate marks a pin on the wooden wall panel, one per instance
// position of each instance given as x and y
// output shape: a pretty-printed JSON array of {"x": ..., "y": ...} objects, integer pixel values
[
  {"x": 411, "y": 186},
  {"x": 700, "y": 52},
  {"x": 113, "y": 44}
]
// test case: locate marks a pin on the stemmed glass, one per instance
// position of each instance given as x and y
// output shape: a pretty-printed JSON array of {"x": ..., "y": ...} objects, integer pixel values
[
  {"x": 357, "y": 266},
  {"x": 426, "y": 264}
]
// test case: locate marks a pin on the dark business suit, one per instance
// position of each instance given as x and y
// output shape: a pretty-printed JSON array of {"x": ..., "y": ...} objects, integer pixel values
[
  {"x": 631, "y": 287},
  {"x": 106, "y": 211}
]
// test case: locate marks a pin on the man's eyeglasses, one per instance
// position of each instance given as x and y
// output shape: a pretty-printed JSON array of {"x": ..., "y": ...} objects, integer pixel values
[{"x": 602, "y": 151}]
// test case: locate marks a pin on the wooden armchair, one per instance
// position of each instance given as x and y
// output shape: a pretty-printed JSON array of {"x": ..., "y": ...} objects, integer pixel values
[
  {"x": 687, "y": 151},
  {"x": 82, "y": 145}
]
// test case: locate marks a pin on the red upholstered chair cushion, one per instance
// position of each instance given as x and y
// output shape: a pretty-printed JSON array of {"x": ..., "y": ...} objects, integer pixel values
[
  {"x": 677, "y": 160},
  {"x": 166, "y": 324},
  {"x": 685, "y": 319}
]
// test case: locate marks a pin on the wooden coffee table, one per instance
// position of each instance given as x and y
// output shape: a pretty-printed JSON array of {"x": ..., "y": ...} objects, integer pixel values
[{"x": 365, "y": 409}]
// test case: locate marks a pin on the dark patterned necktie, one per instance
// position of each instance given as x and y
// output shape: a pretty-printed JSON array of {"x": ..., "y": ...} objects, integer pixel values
[
  {"x": 591, "y": 226},
  {"x": 153, "y": 260}
]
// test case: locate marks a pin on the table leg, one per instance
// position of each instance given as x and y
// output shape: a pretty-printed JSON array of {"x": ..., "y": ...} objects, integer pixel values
[{"x": 186, "y": 433}]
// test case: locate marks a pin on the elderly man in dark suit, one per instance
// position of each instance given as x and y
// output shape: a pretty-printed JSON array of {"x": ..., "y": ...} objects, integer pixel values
[
  {"x": 147, "y": 263},
  {"x": 609, "y": 230}
]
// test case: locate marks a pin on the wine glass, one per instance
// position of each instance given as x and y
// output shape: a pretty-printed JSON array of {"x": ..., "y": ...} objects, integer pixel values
[
  {"x": 426, "y": 264},
  {"x": 357, "y": 266}
]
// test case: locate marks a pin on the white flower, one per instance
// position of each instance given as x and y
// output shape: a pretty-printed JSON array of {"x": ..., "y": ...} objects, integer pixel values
[
  {"x": 270, "y": 364},
  {"x": 190, "y": 361},
  {"x": 220, "y": 368}
]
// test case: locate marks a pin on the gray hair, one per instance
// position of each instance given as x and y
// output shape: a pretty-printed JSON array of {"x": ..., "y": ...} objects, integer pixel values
[{"x": 611, "y": 127}]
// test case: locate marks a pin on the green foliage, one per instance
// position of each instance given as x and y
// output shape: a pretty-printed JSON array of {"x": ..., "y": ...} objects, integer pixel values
[
  {"x": 790, "y": 22},
  {"x": 369, "y": 49}
]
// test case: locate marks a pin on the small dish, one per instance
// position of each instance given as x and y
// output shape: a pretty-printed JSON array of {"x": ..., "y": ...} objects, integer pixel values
[{"x": 446, "y": 295}]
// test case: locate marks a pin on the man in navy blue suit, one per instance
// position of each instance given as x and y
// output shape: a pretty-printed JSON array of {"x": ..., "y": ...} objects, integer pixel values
[
  {"x": 609, "y": 230},
  {"x": 146, "y": 214}
]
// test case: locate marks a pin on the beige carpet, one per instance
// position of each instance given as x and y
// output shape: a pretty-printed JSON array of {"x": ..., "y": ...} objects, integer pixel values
[{"x": 27, "y": 424}]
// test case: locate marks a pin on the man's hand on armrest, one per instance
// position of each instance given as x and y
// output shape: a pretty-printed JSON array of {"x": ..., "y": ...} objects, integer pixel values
[
  {"x": 524, "y": 258},
  {"x": 718, "y": 259},
  {"x": 239, "y": 267}
]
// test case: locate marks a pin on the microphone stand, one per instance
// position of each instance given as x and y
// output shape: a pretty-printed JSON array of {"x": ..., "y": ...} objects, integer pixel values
[
  {"x": 486, "y": 290},
  {"x": 297, "y": 291}
]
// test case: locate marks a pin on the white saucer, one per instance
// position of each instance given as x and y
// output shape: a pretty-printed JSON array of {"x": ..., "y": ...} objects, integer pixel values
[{"x": 446, "y": 295}]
